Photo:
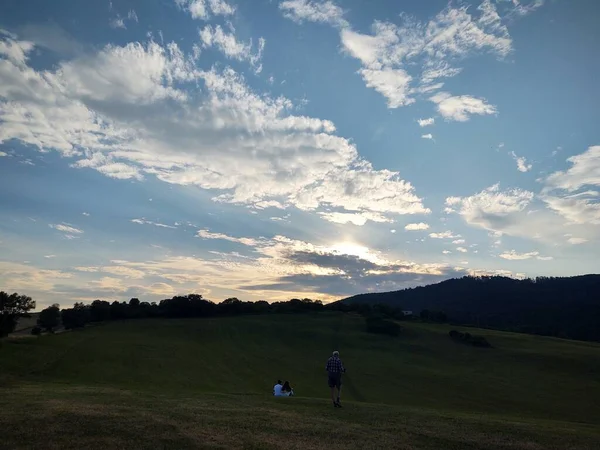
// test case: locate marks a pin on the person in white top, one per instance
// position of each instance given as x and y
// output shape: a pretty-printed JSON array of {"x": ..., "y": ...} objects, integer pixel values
[{"x": 278, "y": 390}]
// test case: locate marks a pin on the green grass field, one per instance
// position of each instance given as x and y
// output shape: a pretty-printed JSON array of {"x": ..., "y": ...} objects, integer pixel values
[{"x": 206, "y": 383}]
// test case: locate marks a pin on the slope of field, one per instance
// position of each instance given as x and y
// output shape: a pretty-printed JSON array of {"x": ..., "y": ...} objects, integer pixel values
[{"x": 197, "y": 383}]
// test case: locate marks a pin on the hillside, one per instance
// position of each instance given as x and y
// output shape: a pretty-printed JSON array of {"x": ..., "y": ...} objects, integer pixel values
[
  {"x": 198, "y": 383},
  {"x": 566, "y": 307}
]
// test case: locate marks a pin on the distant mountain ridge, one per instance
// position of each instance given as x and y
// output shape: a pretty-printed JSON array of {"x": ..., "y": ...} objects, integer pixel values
[{"x": 566, "y": 307}]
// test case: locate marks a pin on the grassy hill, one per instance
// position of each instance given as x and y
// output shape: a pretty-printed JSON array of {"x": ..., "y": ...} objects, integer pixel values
[{"x": 198, "y": 383}]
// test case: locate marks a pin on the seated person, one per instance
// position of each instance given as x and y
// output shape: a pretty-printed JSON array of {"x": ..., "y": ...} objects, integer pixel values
[
  {"x": 277, "y": 389},
  {"x": 287, "y": 389}
]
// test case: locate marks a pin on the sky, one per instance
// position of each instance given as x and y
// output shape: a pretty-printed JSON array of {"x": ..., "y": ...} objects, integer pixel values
[{"x": 269, "y": 150}]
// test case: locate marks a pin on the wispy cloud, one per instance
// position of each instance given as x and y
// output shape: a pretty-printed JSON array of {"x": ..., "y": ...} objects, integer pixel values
[
  {"x": 117, "y": 22},
  {"x": 577, "y": 241},
  {"x": 202, "y": 9},
  {"x": 522, "y": 165},
  {"x": 416, "y": 226},
  {"x": 230, "y": 46},
  {"x": 444, "y": 235},
  {"x": 313, "y": 11},
  {"x": 427, "y": 136},
  {"x": 149, "y": 222},
  {"x": 396, "y": 56},
  {"x": 459, "y": 108},
  {"x": 514, "y": 255},
  {"x": 66, "y": 228},
  {"x": 68, "y": 231},
  {"x": 426, "y": 122}
]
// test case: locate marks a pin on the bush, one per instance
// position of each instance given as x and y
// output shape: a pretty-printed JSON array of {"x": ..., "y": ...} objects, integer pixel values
[
  {"x": 36, "y": 331},
  {"x": 379, "y": 325},
  {"x": 476, "y": 341}
]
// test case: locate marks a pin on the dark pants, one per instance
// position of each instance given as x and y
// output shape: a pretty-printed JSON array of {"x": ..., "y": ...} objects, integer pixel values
[{"x": 334, "y": 380}]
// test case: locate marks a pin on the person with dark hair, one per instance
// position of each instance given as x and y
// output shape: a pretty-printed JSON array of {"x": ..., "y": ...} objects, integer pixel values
[
  {"x": 287, "y": 389},
  {"x": 334, "y": 369}
]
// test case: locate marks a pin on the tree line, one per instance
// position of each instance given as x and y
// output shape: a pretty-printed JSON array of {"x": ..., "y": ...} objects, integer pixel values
[{"x": 181, "y": 306}]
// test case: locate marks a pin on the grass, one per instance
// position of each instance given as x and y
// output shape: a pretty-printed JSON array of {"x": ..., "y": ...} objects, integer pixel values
[{"x": 206, "y": 383}]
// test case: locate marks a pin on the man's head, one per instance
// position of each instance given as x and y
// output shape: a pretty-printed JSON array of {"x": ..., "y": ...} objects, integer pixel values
[
  {"x": 279, "y": 382},
  {"x": 336, "y": 354}
]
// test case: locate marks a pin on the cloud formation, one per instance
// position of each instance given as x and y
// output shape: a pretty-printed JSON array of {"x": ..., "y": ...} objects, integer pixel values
[
  {"x": 459, "y": 108},
  {"x": 522, "y": 165},
  {"x": 416, "y": 226},
  {"x": 426, "y": 122},
  {"x": 313, "y": 11},
  {"x": 202, "y": 9},
  {"x": 122, "y": 111}
]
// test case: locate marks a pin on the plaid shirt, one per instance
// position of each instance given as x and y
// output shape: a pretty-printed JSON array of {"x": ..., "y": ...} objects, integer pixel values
[{"x": 334, "y": 365}]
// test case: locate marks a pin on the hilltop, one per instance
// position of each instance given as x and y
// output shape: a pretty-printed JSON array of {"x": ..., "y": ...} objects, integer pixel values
[
  {"x": 567, "y": 307},
  {"x": 206, "y": 383}
]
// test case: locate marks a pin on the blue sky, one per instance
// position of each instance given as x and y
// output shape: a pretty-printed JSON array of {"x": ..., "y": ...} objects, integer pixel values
[{"x": 275, "y": 149}]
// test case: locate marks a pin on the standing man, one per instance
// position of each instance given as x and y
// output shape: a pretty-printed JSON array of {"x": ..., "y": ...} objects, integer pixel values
[{"x": 335, "y": 368}]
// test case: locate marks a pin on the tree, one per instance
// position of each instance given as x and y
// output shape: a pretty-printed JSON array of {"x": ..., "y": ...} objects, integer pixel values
[
  {"x": 99, "y": 311},
  {"x": 76, "y": 317},
  {"x": 134, "y": 302},
  {"x": 49, "y": 318},
  {"x": 12, "y": 307}
]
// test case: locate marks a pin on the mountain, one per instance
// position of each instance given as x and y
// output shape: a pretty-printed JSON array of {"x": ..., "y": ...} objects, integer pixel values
[{"x": 566, "y": 307}]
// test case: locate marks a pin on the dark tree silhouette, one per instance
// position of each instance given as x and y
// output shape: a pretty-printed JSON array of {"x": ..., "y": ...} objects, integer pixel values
[
  {"x": 76, "y": 317},
  {"x": 49, "y": 318},
  {"x": 12, "y": 307}
]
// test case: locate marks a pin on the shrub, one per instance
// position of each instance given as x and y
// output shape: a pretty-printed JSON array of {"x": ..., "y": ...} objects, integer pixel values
[
  {"x": 36, "y": 331},
  {"x": 474, "y": 340},
  {"x": 378, "y": 325}
]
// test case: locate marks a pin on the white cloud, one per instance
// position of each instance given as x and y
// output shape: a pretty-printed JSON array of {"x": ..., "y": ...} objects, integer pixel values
[
  {"x": 513, "y": 255},
  {"x": 201, "y": 9},
  {"x": 444, "y": 235},
  {"x": 491, "y": 207},
  {"x": 65, "y": 228},
  {"x": 426, "y": 122},
  {"x": 149, "y": 222},
  {"x": 522, "y": 165},
  {"x": 563, "y": 190},
  {"x": 359, "y": 218},
  {"x": 392, "y": 54},
  {"x": 206, "y": 234},
  {"x": 393, "y": 84},
  {"x": 458, "y": 241},
  {"x": 3, "y": 154},
  {"x": 230, "y": 46},
  {"x": 416, "y": 226},
  {"x": 461, "y": 249},
  {"x": 522, "y": 10},
  {"x": 117, "y": 22},
  {"x": 446, "y": 252},
  {"x": 132, "y": 15},
  {"x": 313, "y": 11},
  {"x": 123, "y": 111},
  {"x": 85, "y": 213},
  {"x": 459, "y": 108},
  {"x": 584, "y": 170},
  {"x": 427, "y": 136},
  {"x": 577, "y": 241}
]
